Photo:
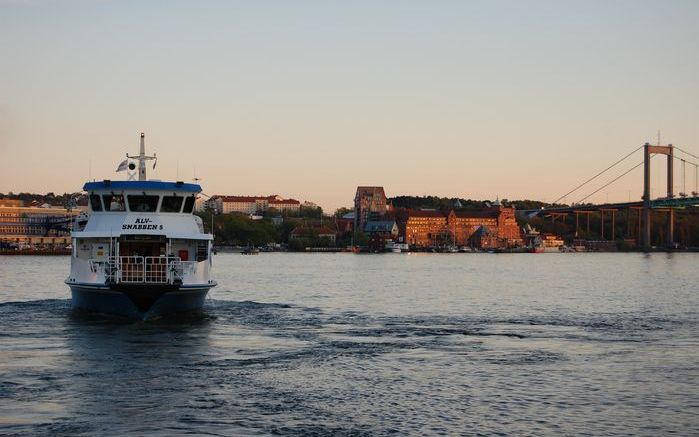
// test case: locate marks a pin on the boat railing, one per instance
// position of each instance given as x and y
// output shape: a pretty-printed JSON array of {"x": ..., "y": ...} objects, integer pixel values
[{"x": 145, "y": 269}]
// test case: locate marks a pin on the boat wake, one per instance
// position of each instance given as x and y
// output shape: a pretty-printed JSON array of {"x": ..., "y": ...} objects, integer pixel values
[{"x": 245, "y": 367}]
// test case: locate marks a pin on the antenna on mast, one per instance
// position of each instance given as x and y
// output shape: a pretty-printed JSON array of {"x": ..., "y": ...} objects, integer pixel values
[{"x": 142, "y": 158}]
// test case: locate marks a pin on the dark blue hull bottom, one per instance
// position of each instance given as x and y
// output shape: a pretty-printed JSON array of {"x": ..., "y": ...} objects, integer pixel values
[{"x": 104, "y": 300}]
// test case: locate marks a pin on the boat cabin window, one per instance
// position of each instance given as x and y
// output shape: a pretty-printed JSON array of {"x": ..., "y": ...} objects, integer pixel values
[
  {"x": 188, "y": 205},
  {"x": 143, "y": 203},
  {"x": 95, "y": 202},
  {"x": 171, "y": 204},
  {"x": 113, "y": 202}
]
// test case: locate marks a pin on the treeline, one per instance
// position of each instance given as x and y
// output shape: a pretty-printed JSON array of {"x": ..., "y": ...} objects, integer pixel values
[
  {"x": 449, "y": 203},
  {"x": 50, "y": 198},
  {"x": 240, "y": 230}
]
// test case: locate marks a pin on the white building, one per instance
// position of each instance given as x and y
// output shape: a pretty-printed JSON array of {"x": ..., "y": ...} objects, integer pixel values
[{"x": 252, "y": 204}]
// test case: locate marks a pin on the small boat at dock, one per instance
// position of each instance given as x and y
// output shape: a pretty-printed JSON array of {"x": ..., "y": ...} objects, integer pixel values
[{"x": 250, "y": 250}]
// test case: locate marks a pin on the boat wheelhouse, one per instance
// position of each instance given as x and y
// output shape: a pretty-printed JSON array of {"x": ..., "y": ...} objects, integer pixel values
[{"x": 142, "y": 252}]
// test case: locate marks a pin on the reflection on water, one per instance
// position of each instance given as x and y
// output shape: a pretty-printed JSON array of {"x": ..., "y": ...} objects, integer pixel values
[{"x": 361, "y": 345}]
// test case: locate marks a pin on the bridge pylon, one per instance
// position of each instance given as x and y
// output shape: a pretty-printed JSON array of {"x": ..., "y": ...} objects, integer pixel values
[{"x": 648, "y": 151}]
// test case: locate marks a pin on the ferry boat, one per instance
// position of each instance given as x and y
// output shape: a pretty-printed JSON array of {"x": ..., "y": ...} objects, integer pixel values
[{"x": 142, "y": 252}]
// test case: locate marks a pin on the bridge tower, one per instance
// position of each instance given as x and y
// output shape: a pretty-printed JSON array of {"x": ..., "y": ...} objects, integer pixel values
[{"x": 648, "y": 151}]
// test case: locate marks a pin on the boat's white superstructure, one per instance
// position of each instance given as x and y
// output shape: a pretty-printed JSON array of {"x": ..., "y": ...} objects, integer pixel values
[
  {"x": 142, "y": 252},
  {"x": 395, "y": 247}
]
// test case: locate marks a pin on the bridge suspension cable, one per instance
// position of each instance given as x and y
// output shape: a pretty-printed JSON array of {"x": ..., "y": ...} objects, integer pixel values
[
  {"x": 688, "y": 161},
  {"x": 597, "y": 175},
  {"x": 687, "y": 153},
  {"x": 612, "y": 181},
  {"x": 684, "y": 175}
]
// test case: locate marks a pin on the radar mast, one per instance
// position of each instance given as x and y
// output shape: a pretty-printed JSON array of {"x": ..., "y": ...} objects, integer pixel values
[{"x": 142, "y": 158}]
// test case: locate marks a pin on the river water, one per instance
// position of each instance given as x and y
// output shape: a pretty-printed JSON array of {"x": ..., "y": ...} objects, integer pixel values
[{"x": 343, "y": 344}]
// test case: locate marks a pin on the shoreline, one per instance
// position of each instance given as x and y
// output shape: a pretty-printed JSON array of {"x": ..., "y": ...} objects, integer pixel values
[
  {"x": 37, "y": 252},
  {"x": 61, "y": 252}
]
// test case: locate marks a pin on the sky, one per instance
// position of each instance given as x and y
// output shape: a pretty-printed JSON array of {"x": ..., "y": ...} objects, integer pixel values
[{"x": 308, "y": 99}]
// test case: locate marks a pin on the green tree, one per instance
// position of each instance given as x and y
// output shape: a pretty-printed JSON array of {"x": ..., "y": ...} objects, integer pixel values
[
  {"x": 339, "y": 212},
  {"x": 361, "y": 239},
  {"x": 310, "y": 212}
]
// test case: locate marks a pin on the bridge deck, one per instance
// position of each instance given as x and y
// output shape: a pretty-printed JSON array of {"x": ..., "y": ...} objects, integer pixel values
[{"x": 675, "y": 202}]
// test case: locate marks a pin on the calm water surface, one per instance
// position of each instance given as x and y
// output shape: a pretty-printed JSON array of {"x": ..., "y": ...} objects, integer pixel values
[{"x": 302, "y": 344}]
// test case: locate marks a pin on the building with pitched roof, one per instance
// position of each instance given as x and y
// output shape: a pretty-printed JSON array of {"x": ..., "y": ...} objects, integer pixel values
[
  {"x": 381, "y": 226},
  {"x": 311, "y": 233},
  {"x": 380, "y": 232}
]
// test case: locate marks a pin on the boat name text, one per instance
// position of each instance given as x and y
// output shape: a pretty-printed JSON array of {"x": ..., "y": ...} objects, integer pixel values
[{"x": 142, "y": 223}]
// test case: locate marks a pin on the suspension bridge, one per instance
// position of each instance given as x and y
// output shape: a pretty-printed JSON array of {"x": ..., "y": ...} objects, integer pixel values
[{"x": 645, "y": 207}]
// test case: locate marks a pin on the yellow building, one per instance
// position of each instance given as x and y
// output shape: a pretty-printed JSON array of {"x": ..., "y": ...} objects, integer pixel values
[{"x": 36, "y": 226}]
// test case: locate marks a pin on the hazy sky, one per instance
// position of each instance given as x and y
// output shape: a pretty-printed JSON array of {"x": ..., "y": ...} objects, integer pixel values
[{"x": 309, "y": 99}]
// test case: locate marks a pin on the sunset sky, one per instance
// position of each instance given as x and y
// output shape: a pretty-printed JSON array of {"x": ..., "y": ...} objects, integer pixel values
[{"x": 308, "y": 99}]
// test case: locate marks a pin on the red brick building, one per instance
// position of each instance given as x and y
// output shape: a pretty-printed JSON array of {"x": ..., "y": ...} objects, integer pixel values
[
  {"x": 370, "y": 203},
  {"x": 421, "y": 228},
  {"x": 488, "y": 228}
]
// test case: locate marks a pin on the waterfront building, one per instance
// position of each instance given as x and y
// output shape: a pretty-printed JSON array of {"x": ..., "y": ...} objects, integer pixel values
[
  {"x": 464, "y": 225},
  {"x": 370, "y": 203},
  {"x": 35, "y": 226},
  {"x": 421, "y": 228},
  {"x": 380, "y": 232},
  {"x": 387, "y": 227},
  {"x": 485, "y": 238},
  {"x": 488, "y": 228}
]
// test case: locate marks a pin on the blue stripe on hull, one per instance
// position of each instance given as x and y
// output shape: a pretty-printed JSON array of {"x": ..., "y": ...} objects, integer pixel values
[{"x": 103, "y": 300}]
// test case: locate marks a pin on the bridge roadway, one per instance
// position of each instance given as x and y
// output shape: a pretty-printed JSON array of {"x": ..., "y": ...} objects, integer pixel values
[{"x": 674, "y": 202}]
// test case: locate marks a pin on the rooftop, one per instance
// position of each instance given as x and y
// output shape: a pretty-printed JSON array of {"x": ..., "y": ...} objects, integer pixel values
[
  {"x": 379, "y": 226},
  {"x": 108, "y": 185}
]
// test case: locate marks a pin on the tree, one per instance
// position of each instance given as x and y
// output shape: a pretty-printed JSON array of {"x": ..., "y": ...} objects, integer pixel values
[
  {"x": 339, "y": 212},
  {"x": 361, "y": 239},
  {"x": 310, "y": 212},
  {"x": 272, "y": 212}
]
